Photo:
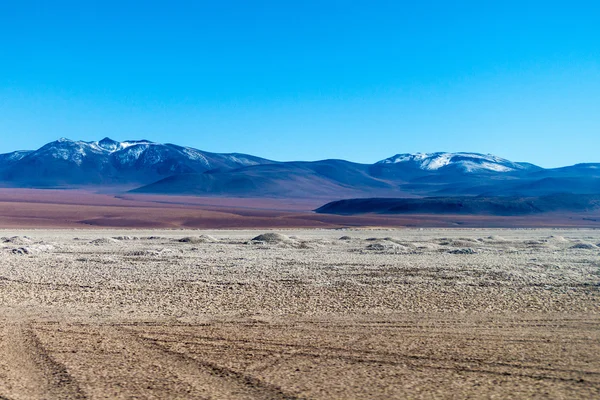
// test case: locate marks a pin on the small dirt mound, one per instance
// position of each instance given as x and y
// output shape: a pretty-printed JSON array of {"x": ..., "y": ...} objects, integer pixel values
[
  {"x": 102, "y": 241},
  {"x": 198, "y": 239},
  {"x": 585, "y": 246},
  {"x": 271, "y": 237},
  {"x": 559, "y": 239},
  {"x": 18, "y": 240},
  {"x": 496, "y": 238}
]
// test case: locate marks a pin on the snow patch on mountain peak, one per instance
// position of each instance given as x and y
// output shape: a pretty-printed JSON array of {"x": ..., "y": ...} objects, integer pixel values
[
  {"x": 241, "y": 160},
  {"x": 468, "y": 162},
  {"x": 131, "y": 153},
  {"x": 195, "y": 155},
  {"x": 112, "y": 146},
  {"x": 15, "y": 155}
]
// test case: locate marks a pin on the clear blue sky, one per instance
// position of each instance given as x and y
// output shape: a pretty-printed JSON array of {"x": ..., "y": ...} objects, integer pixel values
[{"x": 359, "y": 80}]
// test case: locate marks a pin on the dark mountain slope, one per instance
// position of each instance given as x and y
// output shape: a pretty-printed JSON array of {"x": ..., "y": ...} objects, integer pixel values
[
  {"x": 328, "y": 178},
  {"x": 503, "y": 206}
]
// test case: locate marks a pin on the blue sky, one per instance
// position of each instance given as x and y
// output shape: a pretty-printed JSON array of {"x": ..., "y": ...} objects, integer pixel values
[{"x": 359, "y": 80}]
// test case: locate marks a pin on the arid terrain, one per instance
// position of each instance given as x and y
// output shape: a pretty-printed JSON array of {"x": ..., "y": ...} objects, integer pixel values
[
  {"x": 36, "y": 208},
  {"x": 320, "y": 314}
]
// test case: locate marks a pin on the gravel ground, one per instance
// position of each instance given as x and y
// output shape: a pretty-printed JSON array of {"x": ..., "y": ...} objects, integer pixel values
[{"x": 365, "y": 313}]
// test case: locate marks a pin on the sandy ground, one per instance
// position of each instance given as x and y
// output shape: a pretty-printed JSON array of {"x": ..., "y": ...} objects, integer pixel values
[{"x": 345, "y": 314}]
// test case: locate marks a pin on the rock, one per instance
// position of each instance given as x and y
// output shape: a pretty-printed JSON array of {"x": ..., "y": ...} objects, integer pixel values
[
  {"x": 585, "y": 246},
  {"x": 20, "y": 251},
  {"x": 33, "y": 249},
  {"x": 463, "y": 251}
]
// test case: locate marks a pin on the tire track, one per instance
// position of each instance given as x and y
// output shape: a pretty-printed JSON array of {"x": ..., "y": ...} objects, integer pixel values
[
  {"x": 226, "y": 378},
  {"x": 417, "y": 361},
  {"x": 33, "y": 372},
  {"x": 369, "y": 356}
]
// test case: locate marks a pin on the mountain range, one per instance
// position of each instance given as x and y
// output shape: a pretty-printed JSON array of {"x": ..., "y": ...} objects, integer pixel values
[{"x": 148, "y": 167}]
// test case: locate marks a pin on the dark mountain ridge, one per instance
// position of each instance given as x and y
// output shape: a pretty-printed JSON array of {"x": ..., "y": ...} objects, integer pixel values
[{"x": 477, "y": 205}]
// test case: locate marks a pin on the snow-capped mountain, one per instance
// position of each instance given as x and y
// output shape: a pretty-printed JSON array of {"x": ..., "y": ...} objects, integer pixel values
[
  {"x": 131, "y": 152},
  {"x": 465, "y": 162},
  {"x": 150, "y": 167},
  {"x": 68, "y": 162}
]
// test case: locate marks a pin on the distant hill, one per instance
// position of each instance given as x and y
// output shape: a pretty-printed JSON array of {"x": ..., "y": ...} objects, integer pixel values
[
  {"x": 480, "y": 205},
  {"x": 329, "y": 178},
  {"x": 339, "y": 179}
]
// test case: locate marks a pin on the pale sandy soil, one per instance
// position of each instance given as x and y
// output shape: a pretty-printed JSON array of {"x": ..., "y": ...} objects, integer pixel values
[{"x": 433, "y": 313}]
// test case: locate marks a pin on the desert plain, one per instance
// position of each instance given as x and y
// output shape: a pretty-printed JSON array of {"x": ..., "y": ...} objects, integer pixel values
[
  {"x": 314, "y": 313},
  {"x": 77, "y": 208}
]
